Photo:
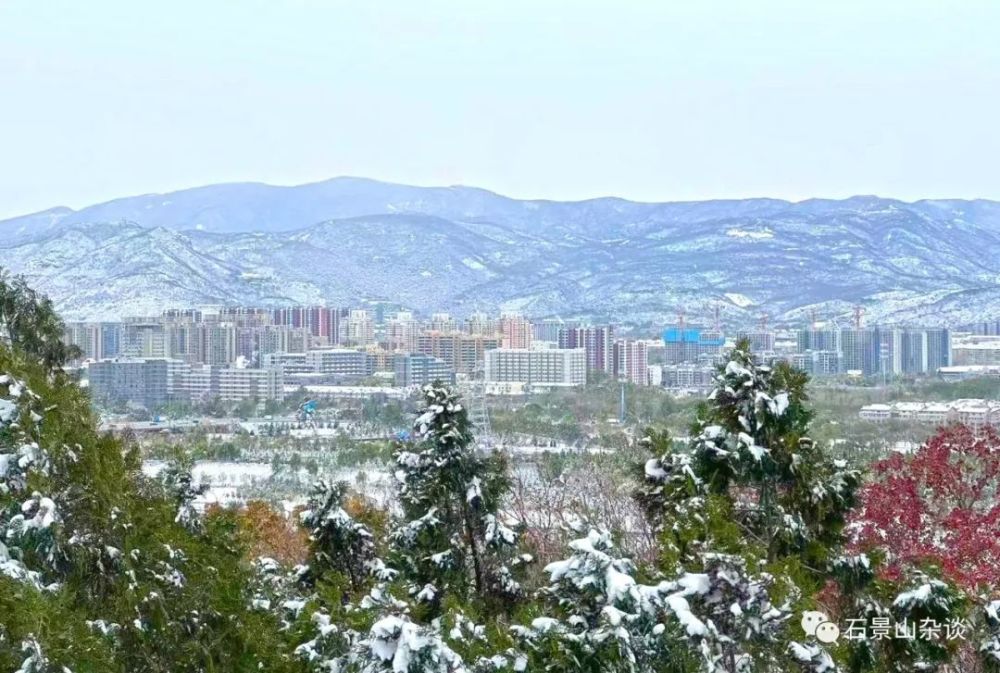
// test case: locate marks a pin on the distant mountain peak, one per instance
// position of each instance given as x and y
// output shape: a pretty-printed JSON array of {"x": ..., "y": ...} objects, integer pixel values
[{"x": 452, "y": 248}]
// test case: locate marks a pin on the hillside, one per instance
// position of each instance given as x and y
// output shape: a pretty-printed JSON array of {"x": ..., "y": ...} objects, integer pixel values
[{"x": 460, "y": 249}]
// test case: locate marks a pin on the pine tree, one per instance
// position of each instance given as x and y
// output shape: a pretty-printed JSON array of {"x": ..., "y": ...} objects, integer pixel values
[
  {"x": 338, "y": 542},
  {"x": 599, "y": 618},
  {"x": 989, "y": 644},
  {"x": 452, "y": 540},
  {"x": 29, "y": 323},
  {"x": 96, "y": 573},
  {"x": 756, "y": 509}
]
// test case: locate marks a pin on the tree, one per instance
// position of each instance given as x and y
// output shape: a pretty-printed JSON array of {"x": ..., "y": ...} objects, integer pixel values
[
  {"x": 913, "y": 603},
  {"x": 29, "y": 324},
  {"x": 452, "y": 539},
  {"x": 269, "y": 534},
  {"x": 337, "y": 541},
  {"x": 96, "y": 572},
  {"x": 756, "y": 510},
  {"x": 600, "y": 618},
  {"x": 938, "y": 506}
]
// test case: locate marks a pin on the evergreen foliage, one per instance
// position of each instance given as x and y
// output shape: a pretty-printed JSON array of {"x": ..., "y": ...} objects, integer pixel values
[
  {"x": 105, "y": 570},
  {"x": 452, "y": 539},
  {"x": 30, "y": 325},
  {"x": 96, "y": 571}
]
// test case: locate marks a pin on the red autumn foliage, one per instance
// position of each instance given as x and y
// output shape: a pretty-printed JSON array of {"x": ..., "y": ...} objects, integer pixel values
[{"x": 940, "y": 504}]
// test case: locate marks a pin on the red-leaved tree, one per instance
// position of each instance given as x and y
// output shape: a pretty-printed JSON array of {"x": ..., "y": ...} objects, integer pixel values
[{"x": 940, "y": 505}]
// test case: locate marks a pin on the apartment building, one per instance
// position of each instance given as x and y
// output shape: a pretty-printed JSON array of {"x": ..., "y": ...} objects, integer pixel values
[
  {"x": 692, "y": 344},
  {"x": 631, "y": 361},
  {"x": 554, "y": 367},
  {"x": 341, "y": 361},
  {"x": 417, "y": 369},
  {"x": 975, "y": 413},
  {"x": 597, "y": 341},
  {"x": 139, "y": 381},
  {"x": 463, "y": 352},
  {"x": 688, "y": 376},
  {"x": 515, "y": 331}
]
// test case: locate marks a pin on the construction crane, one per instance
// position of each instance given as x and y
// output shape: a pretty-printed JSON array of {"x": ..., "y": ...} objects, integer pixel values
[{"x": 858, "y": 312}]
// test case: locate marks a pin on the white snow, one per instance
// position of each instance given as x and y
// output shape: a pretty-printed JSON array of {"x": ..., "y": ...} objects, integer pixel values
[
  {"x": 654, "y": 470},
  {"x": 740, "y": 300},
  {"x": 752, "y": 235}
]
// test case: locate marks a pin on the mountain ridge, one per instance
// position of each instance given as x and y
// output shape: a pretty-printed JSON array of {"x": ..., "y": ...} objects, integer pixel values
[{"x": 464, "y": 248}]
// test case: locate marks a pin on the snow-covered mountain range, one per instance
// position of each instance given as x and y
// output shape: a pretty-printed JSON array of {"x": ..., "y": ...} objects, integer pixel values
[{"x": 462, "y": 249}]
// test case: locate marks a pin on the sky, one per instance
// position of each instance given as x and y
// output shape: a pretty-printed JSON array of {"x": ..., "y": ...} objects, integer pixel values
[{"x": 656, "y": 101}]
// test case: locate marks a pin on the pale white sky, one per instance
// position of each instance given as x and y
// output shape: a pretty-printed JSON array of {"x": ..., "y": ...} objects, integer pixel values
[{"x": 649, "y": 100}]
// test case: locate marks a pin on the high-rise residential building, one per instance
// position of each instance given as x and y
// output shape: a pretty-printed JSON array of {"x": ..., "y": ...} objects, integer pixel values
[
  {"x": 688, "y": 376},
  {"x": 861, "y": 349},
  {"x": 761, "y": 341},
  {"x": 179, "y": 315},
  {"x": 289, "y": 363},
  {"x": 417, "y": 369},
  {"x": 340, "y": 361},
  {"x": 463, "y": 352},
  {"x": 597, "y": 341},
  {"x": 200, "y": 383},
  {"x": 553, "y": 367},
  {"x": 182, "y": 340},
  {"x": 360, "y": 328},
  {"x": 885, "y": 351},
  {"x": 401, "y": 332},
  {"x": 244, "y": 316},
  {"x": 890, "y": 362},
  {"x": 272, "y": 339},
  {"x": 143, "y": 338},
  {"x": 938, "y": 348},
  {"x": 318, "y": 321},
  {"x": 111, "y": 337},
  {"x": 515, "y": 331},
  {"x": 812, "y": 339},
  {"x": 218, "y": 343},
  {"x": 691, "y": 344},
  {"x": 913, "y": 352},
  {"x": 482, "y": 324},
  {"x": 442, "y": 322},
  {"x": 631, "y": 361},
  {"x": 141, "y": 381},
  {"x": 381, "y": 311},
  {"x": 548, "y": 329},
  {"x": 984, "y": 328},
  {"x": 96, "y": 340},
  {"x": 817, "y": 363}
]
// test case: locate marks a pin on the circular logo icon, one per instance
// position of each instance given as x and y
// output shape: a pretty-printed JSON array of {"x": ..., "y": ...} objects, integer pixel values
[{"x": 827, "y": 632}]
